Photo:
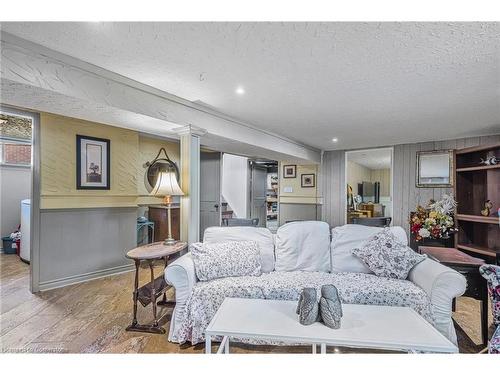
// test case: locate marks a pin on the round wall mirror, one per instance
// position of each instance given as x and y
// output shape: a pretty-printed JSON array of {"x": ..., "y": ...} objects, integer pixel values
[{"x": 154, "y": 169}]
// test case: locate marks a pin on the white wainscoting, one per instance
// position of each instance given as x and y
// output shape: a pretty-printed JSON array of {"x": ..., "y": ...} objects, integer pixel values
[{"x": 82, "y": 244}]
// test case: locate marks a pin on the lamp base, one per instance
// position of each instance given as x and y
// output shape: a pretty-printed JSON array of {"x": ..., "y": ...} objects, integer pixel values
[{"x": 170, "y": 242}]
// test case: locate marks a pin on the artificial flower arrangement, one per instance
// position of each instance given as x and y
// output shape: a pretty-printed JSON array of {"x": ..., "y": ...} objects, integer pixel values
[{"x": 434, "y": 221}]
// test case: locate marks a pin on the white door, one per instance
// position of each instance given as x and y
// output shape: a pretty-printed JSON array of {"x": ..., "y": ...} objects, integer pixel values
[
  {"x": 210, "y": 166},
  {"x": 258, "y": 183}
]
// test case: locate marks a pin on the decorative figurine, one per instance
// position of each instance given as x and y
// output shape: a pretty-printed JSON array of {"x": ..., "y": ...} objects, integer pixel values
[
  {"x": 446, "y": 205},
  {"x": 330, "y": 306},
  {"x": 487, "y": 208},
  {"x": 490, "y": 160},
  {"x": 308, "y": 308}
]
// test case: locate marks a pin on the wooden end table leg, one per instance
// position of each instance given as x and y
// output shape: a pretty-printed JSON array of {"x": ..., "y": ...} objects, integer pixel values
[
  {"x": 135, "y": 294},
  {"x": 164, "y": 301},
  {"x": 153, "y": 293}
]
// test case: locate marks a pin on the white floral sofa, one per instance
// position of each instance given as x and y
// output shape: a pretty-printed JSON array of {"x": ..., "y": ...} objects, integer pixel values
[{"x": 302, "y": 254}]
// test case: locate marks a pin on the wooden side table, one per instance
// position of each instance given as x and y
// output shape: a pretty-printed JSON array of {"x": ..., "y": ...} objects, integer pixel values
[
  {"x": 469, "y": 267},
  {"x": 149, "y": 292}
]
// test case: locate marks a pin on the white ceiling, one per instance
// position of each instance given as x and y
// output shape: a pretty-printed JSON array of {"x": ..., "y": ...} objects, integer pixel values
[
  {"x": 369, "y": 84},
  {"x": 372, "y": 159}
]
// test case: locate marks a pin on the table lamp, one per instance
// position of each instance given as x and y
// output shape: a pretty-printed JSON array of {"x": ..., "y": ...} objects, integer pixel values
[{"x": 166, "y": 187}]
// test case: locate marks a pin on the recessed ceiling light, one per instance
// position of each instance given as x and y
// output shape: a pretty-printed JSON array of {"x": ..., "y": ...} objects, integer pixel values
[
  {"x": 240, "y": 90},
  {"x": 335, "y": 140}
]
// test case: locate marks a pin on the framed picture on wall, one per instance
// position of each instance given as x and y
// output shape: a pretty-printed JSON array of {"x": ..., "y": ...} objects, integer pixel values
[
  {"x": 434, "y": 169},
  {"x": 307, "y": 180},
  {"x": 289, "y": 171},
  {"x": 92, "y": 163}
]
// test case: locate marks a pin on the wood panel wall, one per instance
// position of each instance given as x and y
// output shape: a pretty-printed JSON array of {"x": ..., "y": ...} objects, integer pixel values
[
  {"x": 405, "y": 195},
  {"x": 333, "y": 188}
]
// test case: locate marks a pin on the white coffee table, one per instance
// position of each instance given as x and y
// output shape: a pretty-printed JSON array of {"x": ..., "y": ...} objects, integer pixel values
[{"x": 363, "y": 326}]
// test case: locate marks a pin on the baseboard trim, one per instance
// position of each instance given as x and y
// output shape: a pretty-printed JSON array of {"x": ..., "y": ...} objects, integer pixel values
[{"x": 71, "y": 280}]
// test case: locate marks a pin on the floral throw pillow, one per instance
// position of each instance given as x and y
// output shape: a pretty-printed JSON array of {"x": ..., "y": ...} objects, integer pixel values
[
  {"x": 385, "y": 256},
  {"x": 226, "y": 259}
]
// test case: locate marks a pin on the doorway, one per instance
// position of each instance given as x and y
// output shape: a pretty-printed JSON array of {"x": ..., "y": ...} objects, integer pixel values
[
  {"x": 210, "y": 190},
  {"x": 19, "y": 189},
  {"x": 270, "y": 210},
  {"x": 369, "y": 186},
  {"x": 237, "y": 190}
]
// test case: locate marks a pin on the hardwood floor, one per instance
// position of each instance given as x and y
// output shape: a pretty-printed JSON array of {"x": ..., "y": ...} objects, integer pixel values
[{"x": 91, "y": 318}]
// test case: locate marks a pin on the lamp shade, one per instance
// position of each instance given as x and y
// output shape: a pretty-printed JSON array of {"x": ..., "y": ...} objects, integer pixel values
[{"x": 166, "y": 184}]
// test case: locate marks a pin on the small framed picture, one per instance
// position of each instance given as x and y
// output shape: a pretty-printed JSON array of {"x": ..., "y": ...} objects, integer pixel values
[
  {"x": 307, "y": 180},
  {"x": 289, "y": 171},
  {"x": 92, "y": 163}
]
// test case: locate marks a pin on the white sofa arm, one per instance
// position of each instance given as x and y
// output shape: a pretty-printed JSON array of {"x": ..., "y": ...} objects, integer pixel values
[
  {"x": 182, "y": 276},
  {"x": 442, "y": 284}
]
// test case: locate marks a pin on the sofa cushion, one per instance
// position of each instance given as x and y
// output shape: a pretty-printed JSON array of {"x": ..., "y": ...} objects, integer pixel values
[
  {"x": 386, "y": 256},
  {"x": 262, "y": 236},
  {"x": 350, "y": 236},
  {"x": 225, "y": 259},
  {"x": 303, "y": 246},
  {"x": 356, "y": 288}
]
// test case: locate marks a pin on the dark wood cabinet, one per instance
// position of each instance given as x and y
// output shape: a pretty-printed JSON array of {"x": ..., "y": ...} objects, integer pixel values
[
  {"x": 476, "y": 183},
  {"x": 158, "y": 215}
]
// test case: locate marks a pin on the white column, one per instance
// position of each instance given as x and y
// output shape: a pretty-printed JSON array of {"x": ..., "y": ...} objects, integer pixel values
[{"x": 190, "y": 182}]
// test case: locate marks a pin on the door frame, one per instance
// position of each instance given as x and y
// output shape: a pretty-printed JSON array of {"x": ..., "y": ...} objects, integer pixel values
[
  {"x": 251, "y": 196},
  {"x": 219, "y": 197},
  {"x": 35, "y": 193},
  {"x": 391, "y": 148}
]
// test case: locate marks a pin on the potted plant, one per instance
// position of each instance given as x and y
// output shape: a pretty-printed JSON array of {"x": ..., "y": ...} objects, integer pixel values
[{"x": 434, "y": 224}]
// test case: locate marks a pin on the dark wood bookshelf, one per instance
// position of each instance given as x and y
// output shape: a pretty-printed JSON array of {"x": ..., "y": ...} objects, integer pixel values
[
  {"x": 480, "y": 168},
  {"x": 474, "y": 184},
  {"x": 478, "y": 219}
]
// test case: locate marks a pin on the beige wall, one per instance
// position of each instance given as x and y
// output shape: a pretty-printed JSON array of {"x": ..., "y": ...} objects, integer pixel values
[
  {"x": 299, "y": 194},
  {"x": 357, "y": 173},
  {"x": 129, "y": 151},
  {"x": 384, "y": 177}
]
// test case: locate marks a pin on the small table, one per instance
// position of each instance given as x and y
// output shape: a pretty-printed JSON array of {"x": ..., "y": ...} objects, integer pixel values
[
  {"x": 469, "y": 267},
  {"x": 149, "y": 292},
  {"x": 363, "y": 326}
]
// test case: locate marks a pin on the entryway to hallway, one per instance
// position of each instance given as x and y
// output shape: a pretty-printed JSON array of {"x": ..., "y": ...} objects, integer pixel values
[
  {"x": 16, "y": 138},
  {"x": 237, "y": 190},
  {"x": 369, "y": 186}
]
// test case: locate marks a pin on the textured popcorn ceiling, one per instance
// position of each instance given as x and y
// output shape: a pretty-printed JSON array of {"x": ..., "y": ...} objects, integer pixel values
[{"x": 368, "y": 84}]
